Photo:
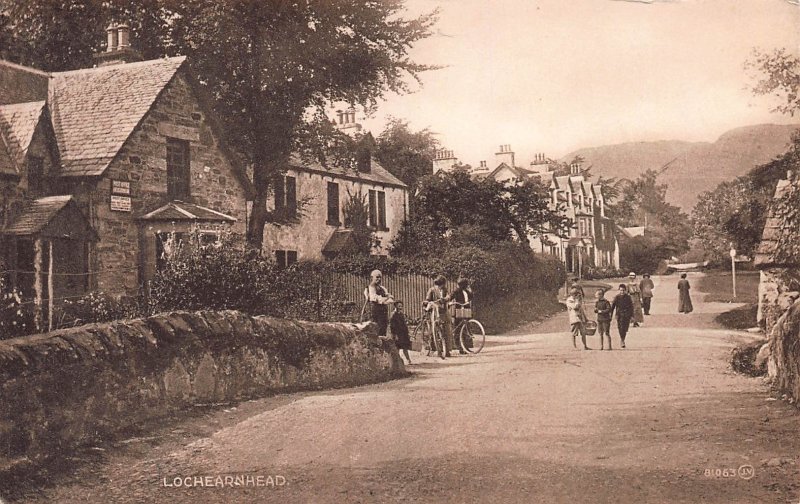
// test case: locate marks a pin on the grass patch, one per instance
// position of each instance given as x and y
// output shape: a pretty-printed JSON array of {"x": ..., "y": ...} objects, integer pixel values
[{"x": 717, "y": 287}]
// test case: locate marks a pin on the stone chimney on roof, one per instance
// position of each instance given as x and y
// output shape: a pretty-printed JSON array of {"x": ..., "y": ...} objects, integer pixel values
[
  {"x": 506, "y": 155},
  {"x": 347, "y": 121},
  {"x": 444, "y": 160},
  {"x": 575, "y": 169},
  {"x": 118, "y": 48}
]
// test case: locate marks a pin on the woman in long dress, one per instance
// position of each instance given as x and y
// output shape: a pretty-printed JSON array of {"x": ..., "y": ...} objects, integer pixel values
[
  {"x": 684, "y": 299},
  {"x": 636, "y": 297}
]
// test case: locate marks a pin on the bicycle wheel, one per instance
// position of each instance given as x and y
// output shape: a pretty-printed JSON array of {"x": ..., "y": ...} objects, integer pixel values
[
  {"x": 422, "y": 334},
  {"x": 472, "y": 336}
]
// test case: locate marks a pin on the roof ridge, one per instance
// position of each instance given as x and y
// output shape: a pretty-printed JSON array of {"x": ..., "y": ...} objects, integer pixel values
[
  {"x": 23, "y": 67},
  {"x": 135, "y": 64}
]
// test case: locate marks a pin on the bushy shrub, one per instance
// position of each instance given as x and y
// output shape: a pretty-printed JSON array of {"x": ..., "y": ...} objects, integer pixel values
[
  {"x": 97, "y": 307},
  {"x": 601, "y": 272},
  {"x": 16, "y": 317}
]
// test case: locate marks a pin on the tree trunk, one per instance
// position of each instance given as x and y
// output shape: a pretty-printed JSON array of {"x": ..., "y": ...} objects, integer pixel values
[{"x": 258, "y": 219}]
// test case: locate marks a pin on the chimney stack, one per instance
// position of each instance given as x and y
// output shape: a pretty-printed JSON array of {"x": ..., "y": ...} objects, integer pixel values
[
  {"x": 347, "y": 121},
  {"x": 575, "y": 169},
  {"x": 506, "y": 155},
  {"x": 111, "y": 30},
  {"x": 118, "y": 49},
  {"x": 444, "y": 160},
  {"x": 124, "y": 35}
]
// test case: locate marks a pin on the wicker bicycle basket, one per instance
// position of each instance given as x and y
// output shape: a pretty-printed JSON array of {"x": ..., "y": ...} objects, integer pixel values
[{"x": 590, "y": 327}]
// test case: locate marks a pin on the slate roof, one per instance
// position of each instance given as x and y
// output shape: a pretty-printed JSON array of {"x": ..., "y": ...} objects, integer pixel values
[
  {"x": 182, "y": 211},
  {"x": 19, "y": 84},
  {"x": 95, "y": 110},
  {"x": 377, "y": 174},
  {"x": 36, "y": 215},
  {"x": 17, "y": 124}
]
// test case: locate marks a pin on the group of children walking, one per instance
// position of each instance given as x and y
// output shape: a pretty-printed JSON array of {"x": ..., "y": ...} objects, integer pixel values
[{"x": 622, "y": 305}]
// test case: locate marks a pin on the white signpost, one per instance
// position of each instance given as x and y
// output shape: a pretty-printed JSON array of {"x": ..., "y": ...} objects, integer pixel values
[{"x": 733, "y": 270}]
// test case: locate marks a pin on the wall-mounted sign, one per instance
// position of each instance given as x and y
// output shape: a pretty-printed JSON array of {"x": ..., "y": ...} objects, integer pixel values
[
  {"x": 120, "y": 203},
  {"x": 120, "y": 187}
]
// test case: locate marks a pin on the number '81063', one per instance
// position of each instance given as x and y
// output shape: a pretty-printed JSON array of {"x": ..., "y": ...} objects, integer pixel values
[{"x": 726, "y": 472}]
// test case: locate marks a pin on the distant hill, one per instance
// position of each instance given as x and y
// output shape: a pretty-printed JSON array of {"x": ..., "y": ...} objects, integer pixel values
[{"x": 690, "y": 168}]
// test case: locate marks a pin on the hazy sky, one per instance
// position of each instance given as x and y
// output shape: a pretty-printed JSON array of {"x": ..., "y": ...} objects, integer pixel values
[{"x": 555, "y": 75}]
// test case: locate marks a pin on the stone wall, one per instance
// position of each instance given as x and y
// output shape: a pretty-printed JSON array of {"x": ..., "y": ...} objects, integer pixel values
[
  {"x": 76, "y": 386},
  {"x": 777, "y": 290},
  {"x": 784, "y": 346}
]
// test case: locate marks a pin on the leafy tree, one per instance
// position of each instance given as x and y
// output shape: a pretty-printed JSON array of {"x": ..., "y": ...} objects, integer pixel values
[
  {"x": 406, "y": 154},
  {"x": 735, "y": 211},
  {"x": 668, "y": 229},
  {"x": 272, "y": 66},
  {"x": 777, "y": 73},
  {"x": 452, "y": 207}
]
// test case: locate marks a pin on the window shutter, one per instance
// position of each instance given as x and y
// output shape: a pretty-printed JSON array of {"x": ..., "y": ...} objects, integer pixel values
[
  {"x": 280, "y": 195},
  {"x": 291, "y": 196},
  {"x": 373, "y": 209},
  {"x": 382, "y": 209},
  {"x": 291, "y": 257},
  {"x": 333, "y": 203}
]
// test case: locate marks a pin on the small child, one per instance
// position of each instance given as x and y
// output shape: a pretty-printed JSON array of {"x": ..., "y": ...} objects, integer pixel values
[
  {"x": 399, "y": 329},
  {"x": 603, "y": 310}
]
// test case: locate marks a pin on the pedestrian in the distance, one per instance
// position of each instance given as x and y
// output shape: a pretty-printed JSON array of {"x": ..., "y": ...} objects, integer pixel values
[
  {"x": 636, "y": 297},
  {"x": 623, "y": 305},
  {"x": 399, "y": 328},
  {"x": 684, "y": 299},
  {"x": 577, "y": 317},
  {"x": 603, "y": 310},
  {"x": 379, "y": 301},
  {"x": 646, "y": 287}
]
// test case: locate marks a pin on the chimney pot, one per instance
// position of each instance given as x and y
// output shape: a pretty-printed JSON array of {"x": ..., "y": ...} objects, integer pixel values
[
  {"x": 124, "y": 31},
  {"x": 112, "y": 37}
]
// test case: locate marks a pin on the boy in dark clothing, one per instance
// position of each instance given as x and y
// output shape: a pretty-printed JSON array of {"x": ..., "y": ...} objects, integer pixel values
[
  {"x": 603, "y": 310},
  {"x": 399, "y": 328},
  {"x": 623, "y": 304}
]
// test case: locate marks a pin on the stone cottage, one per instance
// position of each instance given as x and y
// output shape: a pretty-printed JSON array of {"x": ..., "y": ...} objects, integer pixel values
[
  {"x": 99, "y": 166},
  {"x": 321, "y": 194}
]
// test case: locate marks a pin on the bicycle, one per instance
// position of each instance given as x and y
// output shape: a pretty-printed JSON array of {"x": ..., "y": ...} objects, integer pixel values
[
  {"x": 471, "y": 334},
  {"x": 430, "y": 332}
]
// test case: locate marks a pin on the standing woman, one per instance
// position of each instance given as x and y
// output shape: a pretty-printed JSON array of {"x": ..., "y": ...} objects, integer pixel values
[
  {"x": 684, "y": 299},
  {"x": 646, "y": 287},
  {"x": 636, "y": 298},
  {"x": 437, "y": 299},
  {"x": 379, "y": 301},
  {"x": 624, "y": 308}
]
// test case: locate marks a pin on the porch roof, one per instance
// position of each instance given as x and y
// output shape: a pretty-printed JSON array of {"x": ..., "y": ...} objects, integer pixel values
[
  {"x": 338, "y": 241},
  {"x": 182, "y": 211},
  {"x": 51, "y": 217}
]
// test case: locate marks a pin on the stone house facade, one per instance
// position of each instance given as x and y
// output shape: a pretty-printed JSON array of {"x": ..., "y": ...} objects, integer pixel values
[
  {"x": 312, "y": 199},
  {"x": 134, "y": 147}
]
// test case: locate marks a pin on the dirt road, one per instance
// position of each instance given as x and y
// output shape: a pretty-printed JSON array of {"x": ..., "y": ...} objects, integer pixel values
[{"x": 528, "y": 420}]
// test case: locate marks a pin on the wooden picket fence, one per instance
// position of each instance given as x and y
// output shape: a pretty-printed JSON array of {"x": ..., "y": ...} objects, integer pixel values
[{"x": 409, "y": 288}]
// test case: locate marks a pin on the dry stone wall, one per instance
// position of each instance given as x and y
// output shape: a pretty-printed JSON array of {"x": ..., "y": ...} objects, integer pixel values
[
  {"x": 784, "y": 360},
  {"x": 75, "y": 386}
]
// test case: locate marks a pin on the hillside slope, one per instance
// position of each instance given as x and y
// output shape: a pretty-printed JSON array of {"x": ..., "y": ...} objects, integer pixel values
[{"x": 690, "y": 168}]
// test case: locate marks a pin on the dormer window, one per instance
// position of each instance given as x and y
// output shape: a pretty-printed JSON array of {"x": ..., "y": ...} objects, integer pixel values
[{"x": 178, "y": 169}]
